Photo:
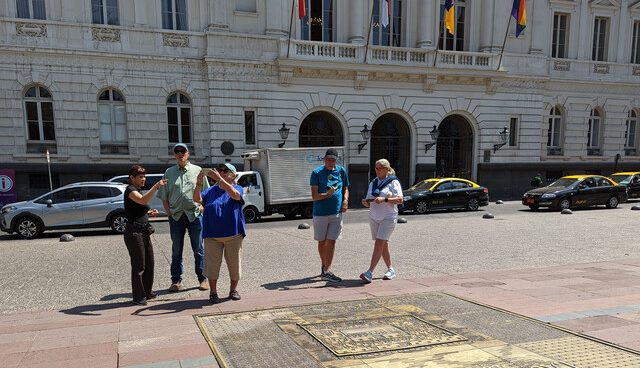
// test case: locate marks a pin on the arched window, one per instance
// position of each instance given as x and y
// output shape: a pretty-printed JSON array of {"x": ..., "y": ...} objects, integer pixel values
[
  {"x": 321, "y": 129},
  {"x": 391, "y": 33},
  {"x": 179, "y": 118},
  {"x": 593, "y": 133},
  {"x": 112, "y": 116},
  {"x": 455, "y": 41},
  {"x": 554, "y": 133},
  {"x": 630, "y": 134},
  {"x": 38, "y": 107},
  {"x": 317, "y": 24}
]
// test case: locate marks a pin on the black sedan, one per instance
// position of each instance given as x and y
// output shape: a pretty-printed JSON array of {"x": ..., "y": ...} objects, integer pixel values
[
  {"x": 631, "y": 180},
  {"x": 445, "y": 193},
  {"x": 576, "y": 191}
]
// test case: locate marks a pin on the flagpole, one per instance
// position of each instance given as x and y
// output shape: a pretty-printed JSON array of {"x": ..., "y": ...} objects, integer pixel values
[
  {"x": 293, "y": 6},
  {"x": 366, "y": 46},
  {"x": 504, "y": 42}
]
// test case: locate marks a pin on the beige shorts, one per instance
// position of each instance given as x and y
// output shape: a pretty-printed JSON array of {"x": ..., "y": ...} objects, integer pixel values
[
  {"x": 327, "y": 227},
  {"x": 382, "y": 229}
]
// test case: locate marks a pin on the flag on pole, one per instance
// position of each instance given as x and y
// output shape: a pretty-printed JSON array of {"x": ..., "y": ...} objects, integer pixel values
[
  {"x": 386, "y": 10},
  {"x": 302, "y": 8},
  {"x": 519, "y": 12},
  {"x": 449, "y": 11}
]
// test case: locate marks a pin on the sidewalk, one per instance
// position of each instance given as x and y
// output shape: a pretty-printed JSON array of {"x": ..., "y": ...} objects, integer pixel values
[{"x": 601, "y": 300}]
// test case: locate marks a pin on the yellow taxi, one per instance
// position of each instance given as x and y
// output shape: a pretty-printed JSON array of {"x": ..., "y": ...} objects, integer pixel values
[
  {"x": 629, "y": 179},
  {"x": 444, "y": 193}
]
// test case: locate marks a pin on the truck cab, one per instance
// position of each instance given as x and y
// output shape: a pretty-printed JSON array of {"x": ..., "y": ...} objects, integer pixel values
[{"x": 253, "y": 188}]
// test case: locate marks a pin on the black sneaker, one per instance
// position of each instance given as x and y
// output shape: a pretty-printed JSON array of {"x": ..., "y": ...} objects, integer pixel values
[
  {"x": 152, "y": 296},
  {"x": 330, "y": 277},
  {"x": 142, "y": 301},
  {"x": 214, "y": 299}
]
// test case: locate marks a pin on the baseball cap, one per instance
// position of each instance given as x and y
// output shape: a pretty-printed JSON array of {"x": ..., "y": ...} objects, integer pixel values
[
  {"x": 228, "y": 166},
  {"x": 180, "y": 145},
  {"x": 331, "y": 152}
]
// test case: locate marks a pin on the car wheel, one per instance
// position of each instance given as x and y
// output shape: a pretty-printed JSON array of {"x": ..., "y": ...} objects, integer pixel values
[
  {"x": 422, "y": 207},
  {"x": 613, "y": 202},
  {"x": 564, "y": 204},
  {"x": 118, "y": 223},
  {"x": 250, "y": 214},
  {"x": 28, "y": 228},
  {"x": 473, "y": 204},
  {"x": 534, "y": 207},
  {"x": 307, "y": 212}
]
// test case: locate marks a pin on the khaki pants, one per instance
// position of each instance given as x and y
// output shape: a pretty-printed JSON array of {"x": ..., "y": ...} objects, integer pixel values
[{"x": 215, "y": 248}]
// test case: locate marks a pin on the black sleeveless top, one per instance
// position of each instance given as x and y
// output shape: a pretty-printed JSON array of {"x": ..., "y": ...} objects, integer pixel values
[{"x": 135, "y": 212}]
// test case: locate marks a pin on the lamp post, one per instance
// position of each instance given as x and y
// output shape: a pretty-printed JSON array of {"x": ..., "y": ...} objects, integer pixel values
[
  {"x": 435, "y": 133},
  {"x": 366, "y": 133},
  {"x": 284, "y": 134},
  {"x": 503, "y": 139}
]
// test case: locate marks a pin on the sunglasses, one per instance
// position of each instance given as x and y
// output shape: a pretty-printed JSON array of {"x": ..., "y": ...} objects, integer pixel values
[{"x": 180, "y": 152}]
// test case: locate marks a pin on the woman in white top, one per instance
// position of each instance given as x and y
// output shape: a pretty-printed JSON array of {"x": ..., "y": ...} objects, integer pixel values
[{"x": 383, "y": 197}]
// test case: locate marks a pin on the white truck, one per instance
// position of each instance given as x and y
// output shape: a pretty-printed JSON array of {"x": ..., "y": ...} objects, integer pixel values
[{"x": 278, "y": 180}]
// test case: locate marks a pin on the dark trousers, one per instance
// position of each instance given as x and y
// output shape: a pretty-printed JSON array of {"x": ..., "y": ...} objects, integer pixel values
[{"x": 141, "y": 254}]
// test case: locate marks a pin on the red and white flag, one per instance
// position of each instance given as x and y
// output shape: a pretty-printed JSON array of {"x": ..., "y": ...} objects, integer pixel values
[
  {"x": 302, "y": 9},
  {"x": 384, "y": 15}
]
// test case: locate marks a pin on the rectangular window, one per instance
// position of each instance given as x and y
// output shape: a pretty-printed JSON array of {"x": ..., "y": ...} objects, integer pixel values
[
  {"x": 105, "y": 12},
  {"x": 317, "y": 25},
  {"x": 174, "y": 14},
  {"x": 246, "y": 6},
  {"x": 593, "y": 135},
  {"x": 250, "y": 127},
  {"x": 630, "y": 134},
  {"x": 513, "y": 131},
  {"x": 391, "y": 34},
  {"x": 31, "y": 9},
  {"x": 453, "y": 42},
  {"x": 600, "y": 39},
  {"x": 635, "y": 43},
  {"x": 560, "y": 35}
]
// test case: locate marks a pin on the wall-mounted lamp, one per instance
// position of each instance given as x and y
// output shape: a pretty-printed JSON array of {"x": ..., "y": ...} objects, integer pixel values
[
  {"x": 434, "y": 137},
  {"x": 366, "y": 133},
  {"x": 503, "y": 139},
  {"x": 284, "y": 134}
]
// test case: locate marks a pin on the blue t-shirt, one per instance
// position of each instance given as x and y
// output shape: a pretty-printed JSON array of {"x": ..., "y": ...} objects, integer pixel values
[
  {"x": 222, "y": 214},
  {"x": 323, "y": 179}
]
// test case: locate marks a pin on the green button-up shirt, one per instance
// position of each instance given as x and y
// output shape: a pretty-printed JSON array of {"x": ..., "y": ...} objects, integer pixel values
[{"x": 178, "y": 191}]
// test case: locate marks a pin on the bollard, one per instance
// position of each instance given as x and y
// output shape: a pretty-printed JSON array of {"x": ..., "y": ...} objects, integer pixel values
[
  {"x": 635, "y": 208},
  {"x": 67, "y": 238},
  {"x": 488, "y": 216},
  {"x": 499, "y": 201},
  {"x": 566, "y": 211},
  {"x": 402, "y": 220},
  {"x": 304, "y": 226}
]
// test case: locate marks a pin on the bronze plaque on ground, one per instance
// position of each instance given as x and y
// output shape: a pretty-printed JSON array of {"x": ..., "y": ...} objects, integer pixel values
[{"x": 419, "y": 330}]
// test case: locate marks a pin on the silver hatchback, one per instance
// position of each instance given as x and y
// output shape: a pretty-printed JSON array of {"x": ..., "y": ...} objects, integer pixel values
[{"x": 73, "y": 206}]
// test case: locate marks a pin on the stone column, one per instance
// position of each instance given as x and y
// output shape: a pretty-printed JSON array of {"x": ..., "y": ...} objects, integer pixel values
[
  {"x": 278, "y": 17},
  {"x": 218, "y": 15},
  {"x": 487, "y": 31},
  {"x": 357, "y": 27},
  {"x": 426, "y": 31},
  {"x": 539, "y": 32}
]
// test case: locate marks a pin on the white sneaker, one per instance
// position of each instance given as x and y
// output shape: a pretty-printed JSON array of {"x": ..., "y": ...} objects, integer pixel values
[{"x": 390, "y": 274}]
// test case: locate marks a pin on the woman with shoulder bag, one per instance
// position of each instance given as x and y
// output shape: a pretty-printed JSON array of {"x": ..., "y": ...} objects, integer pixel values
[
  {"x": 383, "y": 197},
  {"x": 137, "y": 236}
]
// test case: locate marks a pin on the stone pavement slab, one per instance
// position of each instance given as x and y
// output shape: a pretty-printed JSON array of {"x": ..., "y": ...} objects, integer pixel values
[{"x": 579, "y": 297}]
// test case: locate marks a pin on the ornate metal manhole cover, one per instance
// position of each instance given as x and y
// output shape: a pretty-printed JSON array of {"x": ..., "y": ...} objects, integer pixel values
[
  {"x": 419, "y": 330},
  {"x": 373, "y": 335}
]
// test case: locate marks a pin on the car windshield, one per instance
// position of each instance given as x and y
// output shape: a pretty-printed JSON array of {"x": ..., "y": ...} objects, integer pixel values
[
  {"x": 563, "y": 182},
  {"x": 621, "y": 179},
  {"x": 424, "y": 185}
]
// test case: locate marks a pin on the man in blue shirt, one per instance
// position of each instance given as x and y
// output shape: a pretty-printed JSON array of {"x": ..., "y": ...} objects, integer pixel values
[{"x": 330, "y": 194}]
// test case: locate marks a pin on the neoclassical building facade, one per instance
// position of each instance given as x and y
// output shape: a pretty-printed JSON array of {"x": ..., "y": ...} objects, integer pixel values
[{"x": 103, "y": 84}]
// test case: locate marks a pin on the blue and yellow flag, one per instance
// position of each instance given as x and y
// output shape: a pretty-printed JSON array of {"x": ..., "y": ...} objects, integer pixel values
[
  {"x": 519, "y": 12},
  {"x": 449, "y": 12}
]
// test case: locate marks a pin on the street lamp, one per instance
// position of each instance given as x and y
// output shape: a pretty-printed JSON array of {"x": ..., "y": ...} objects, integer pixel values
[
  {"x": 366, "y": 133},
  {"x": 434, "y": 137},
  {"x": 284, "y": 133},
  {"x": 503, "y": 139}
]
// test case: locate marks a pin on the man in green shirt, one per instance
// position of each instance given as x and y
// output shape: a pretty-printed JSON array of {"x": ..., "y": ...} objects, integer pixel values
[{"x": 185, "y": 215}]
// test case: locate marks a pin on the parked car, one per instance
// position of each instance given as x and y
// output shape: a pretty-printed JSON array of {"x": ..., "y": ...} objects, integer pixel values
[
  {"x": 631, "y": 180},
  {"x": 444, "y": 193},
  {"x": 576, "y": 191},
  {"x": 73, "y": 206},
  {"x": 152, "y": 179}
]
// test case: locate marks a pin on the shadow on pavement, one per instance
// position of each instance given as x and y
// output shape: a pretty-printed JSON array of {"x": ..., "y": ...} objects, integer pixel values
[
  {"x": 159, "y": 308},
  {"x": 308, "y": 281},
  {"x": 94, "y": 309}
]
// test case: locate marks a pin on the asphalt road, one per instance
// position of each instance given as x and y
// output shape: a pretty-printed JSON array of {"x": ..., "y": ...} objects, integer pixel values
[{"x": 92, "y": 272}]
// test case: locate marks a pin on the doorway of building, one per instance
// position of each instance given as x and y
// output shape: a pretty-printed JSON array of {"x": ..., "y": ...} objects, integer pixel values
[
  {"x": 390, "y": 139},
  {"x": 454, "y": 150},
  {"x": 321, "y": 129}
]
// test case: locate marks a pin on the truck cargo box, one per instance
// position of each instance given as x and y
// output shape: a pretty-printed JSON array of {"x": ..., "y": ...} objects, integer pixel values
[{"x": 286, "y": 171}]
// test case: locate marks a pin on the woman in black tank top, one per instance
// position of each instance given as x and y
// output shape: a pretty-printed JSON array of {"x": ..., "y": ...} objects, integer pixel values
[{"x": 137, "y": 236}]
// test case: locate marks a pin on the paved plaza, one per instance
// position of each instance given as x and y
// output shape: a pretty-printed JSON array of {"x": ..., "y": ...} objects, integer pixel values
[{"x": 67, "y": 304}]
